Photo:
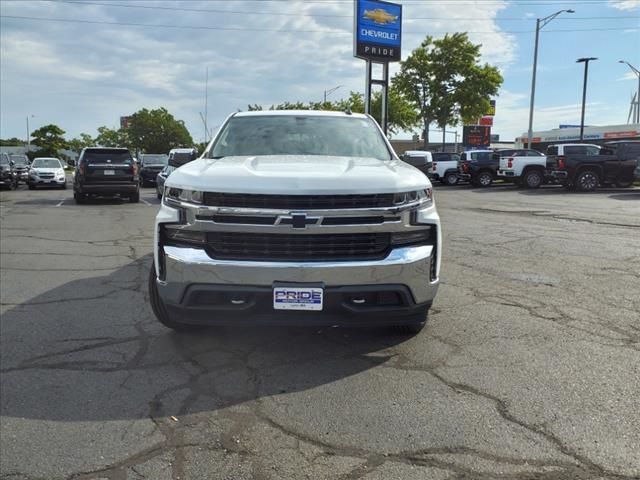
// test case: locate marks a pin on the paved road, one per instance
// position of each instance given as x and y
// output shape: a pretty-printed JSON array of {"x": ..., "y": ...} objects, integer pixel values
[{"x": 529, "y": 367}]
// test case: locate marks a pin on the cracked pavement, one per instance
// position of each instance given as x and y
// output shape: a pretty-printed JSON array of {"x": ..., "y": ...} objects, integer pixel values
[{"x": 529, "y": 367}]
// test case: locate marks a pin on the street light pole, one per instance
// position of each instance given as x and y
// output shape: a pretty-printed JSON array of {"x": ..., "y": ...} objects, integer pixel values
[
  {"x": 584, "y": 91},
  {"x": 636, "y": 117},
  {"x": 540, "y": 23},
  {"x": 330, "y": 91}
]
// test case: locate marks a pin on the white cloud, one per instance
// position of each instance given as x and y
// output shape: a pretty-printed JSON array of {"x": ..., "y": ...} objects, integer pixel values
[{"x": 625, "y": 4}]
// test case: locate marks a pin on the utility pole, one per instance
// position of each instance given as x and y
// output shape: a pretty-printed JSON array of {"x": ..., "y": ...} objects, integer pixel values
[
  {"x": 586, "y": 61},
  {"x": 540, "y": 23}
]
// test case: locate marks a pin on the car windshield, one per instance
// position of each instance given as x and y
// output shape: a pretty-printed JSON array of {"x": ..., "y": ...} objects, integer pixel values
[
  {"x": 108, "y": 156},
  {"x": 19, "y": 159},
  {"x": 155, "y": 159},
  {"x": 301, "y": 135},
  {"x": 46, "y": 163}
]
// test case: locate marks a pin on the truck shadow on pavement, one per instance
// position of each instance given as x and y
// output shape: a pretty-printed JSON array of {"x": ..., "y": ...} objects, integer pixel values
[{"x": 91, "y": 350}]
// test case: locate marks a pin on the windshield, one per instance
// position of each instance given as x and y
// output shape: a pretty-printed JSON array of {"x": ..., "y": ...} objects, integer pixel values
[
  {"x": 46, "y": 163},
  {"x": 301, "y": 135},
  {"x": 19, "y": 159},
  {"x": 155, "y": 159},
  {"x": 108, "y": 156}
]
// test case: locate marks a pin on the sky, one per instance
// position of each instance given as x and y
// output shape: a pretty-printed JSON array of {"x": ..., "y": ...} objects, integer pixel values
[{"x": 83, "y": 64}]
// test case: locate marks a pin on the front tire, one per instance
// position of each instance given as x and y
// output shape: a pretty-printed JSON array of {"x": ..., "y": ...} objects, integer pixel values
[
  {"x": 533, "y": 179},
  {"x": 450, "y": 179},
  {"x": 413, "y": 328},
  {"x": 80, "y": 198},
  {"x": 31, "y": 187},
  {"x": 64, "y": 186},
  {"x": 135, "y": 198},
  {"x": 484, "y": 179},
  {"x": 587, "y": 181},
  {"x": 157, "y": 305}
]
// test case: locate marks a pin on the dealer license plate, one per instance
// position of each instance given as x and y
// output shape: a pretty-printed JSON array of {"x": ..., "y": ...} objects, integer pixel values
[
  {"x": 297, "y": 298},
  {"x": 109, "y": 172}
]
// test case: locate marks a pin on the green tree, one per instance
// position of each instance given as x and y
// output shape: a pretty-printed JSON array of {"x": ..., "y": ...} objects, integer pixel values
[
  {"x": 78, "y": 143},
  {"x": 445, "y": 82},
  {"x": 11, "y": 142},
  {"x": 108, "y": 137},
  {"x": 50, "y": 139},
  {"x": 157, "y": 131}
]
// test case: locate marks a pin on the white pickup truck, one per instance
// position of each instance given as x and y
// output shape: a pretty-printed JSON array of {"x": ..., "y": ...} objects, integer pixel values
[
  {"x": 303, "y": 218},
  {"x": 524, "y": 167}
]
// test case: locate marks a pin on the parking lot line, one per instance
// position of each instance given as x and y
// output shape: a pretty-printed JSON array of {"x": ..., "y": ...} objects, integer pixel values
[
  {"x": 145, "y": 202},
  {"x": 60, "y": 202}
]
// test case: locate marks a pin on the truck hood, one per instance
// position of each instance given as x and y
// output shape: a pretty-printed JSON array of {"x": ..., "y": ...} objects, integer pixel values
[{"x": 298, "y": 174}]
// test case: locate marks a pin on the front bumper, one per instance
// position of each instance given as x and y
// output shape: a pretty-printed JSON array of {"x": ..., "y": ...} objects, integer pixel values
[
  {"x": 200, "y": 290},
  {"x": 56, "y": 181}
]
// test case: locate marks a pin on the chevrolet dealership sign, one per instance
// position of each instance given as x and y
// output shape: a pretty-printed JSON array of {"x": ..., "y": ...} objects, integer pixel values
[{"x": 377, "y": 30}]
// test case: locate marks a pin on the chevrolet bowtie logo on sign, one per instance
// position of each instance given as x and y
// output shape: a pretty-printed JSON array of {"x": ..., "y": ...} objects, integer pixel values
[
  {"x": 378, "y": 30},
  {"x": 380, "y": 16}
]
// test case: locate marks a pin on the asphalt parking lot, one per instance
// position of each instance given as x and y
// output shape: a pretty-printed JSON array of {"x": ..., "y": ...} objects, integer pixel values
[{"x": 529, "y": 367}]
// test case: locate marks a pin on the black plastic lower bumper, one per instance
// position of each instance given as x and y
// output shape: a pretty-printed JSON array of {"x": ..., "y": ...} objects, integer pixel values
[{"x": 364, "y": 306}]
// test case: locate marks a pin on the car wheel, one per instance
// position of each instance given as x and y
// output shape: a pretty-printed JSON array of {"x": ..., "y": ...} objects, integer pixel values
[
  {"x": 32, "y": 187},
  {"x": 158, "y": 307},
  {"x": 450, "y": 179},
  {"x": 135, "y": 198},
  {"x": 484, "y": 179},
  {"x": 64, "y": 186},
  {"x": 624, "y": 182},
  {"x": 80, "y": 198},
  {"x": 159, "y": 195},
  {"x": 587, "y": 181},
  {"x": 533, "y": 179}
]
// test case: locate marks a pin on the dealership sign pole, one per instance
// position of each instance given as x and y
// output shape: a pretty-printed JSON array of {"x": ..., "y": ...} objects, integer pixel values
[{"x": 377, "y": 38}]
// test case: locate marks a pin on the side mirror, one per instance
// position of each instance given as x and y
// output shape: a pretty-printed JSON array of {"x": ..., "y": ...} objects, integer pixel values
[{"x": 12, "y": 163}]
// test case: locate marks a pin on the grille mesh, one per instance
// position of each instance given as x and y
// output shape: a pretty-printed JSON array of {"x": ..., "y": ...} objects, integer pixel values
[
  {"x": 298, "y": 202},
  {"x": 287, "y": 247}
]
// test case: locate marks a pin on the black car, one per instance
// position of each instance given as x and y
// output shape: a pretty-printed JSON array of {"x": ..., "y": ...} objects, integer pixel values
[
  {"x": 150, "y": 165},
  {"x": 106, "y": 172},
  {"x": 479, "y": 167},
  {"x": 21, "y": 166},
  {"x": 8, "y": 178},
  {"x": 420, "y": 159},
  {"x": 160, "y": 179},
  {"x": 613, "y": 165}
]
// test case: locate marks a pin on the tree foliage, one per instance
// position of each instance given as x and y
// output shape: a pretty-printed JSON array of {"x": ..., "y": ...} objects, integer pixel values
[
  {"x": 108, "y": 137},
  {"x": 49, "y": 139},
  {"x": 11, "y": 142},
  {"x": 445, "y": 82},
  {"x": 402, "y": 115},
  {"x": 78, "y": 143},
  {"x": 157, "y": 131}
]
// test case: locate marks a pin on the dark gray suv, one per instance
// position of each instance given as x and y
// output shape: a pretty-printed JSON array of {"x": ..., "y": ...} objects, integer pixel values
[{"x": 106, "y": 172}]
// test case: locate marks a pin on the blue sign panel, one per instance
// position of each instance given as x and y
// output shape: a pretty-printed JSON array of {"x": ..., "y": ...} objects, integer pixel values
[{"x": 378, "y": 30}]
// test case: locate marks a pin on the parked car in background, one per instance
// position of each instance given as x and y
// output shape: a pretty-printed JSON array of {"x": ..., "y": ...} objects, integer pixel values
[
  {"x": 160, "y": 179},
  {"x": 524, "y": 167},
  {"x": 479, "y": 167},
  {"x": 47, "y": 171},
  {"x": 8, "y": 178},
  {"x": 613, "y": 164},
  {"x": 420, "y": 159},
  {"x": 180, "y": 156},
  {"x": 150, "y": 165},
  {"x": 20, "y": 166},
  {"x": 445, "y": 167},
  {"x": 106, "y": 172}
]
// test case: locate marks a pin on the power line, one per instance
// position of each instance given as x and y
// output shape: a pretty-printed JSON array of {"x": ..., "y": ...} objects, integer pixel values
[
  {"x": 320, "y": 15},
  {"x": 257, "y": 29}
]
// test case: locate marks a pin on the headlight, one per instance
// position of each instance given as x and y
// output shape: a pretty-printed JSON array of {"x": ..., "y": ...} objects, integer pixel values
[
  {"x": 183, "y": 195},
  {"x": 33, "y": 173},
  {"x": 418, "y": 197}
]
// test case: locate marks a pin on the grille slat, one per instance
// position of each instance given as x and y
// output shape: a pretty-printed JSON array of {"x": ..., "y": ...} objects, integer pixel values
[
  {"x": 298, "y": 202},
  {"x": 243, "y": 246}
]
